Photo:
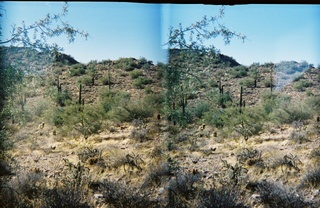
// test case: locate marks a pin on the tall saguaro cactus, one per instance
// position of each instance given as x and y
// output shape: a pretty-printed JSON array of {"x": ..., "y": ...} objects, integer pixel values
[
  {"x": 183, "y": 101},
  {"x": 241, "y": 101},
  {"x": 80, "y": 91}
]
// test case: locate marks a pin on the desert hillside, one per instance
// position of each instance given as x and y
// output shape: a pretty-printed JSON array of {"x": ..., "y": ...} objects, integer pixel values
[{"x": 112, "y": 134}]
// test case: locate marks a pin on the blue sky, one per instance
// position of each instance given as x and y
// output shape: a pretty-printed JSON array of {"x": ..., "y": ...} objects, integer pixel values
[{"x": 275, "y": 32}]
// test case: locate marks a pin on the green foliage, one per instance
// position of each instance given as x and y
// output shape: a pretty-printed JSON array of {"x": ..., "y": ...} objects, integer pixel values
[
  {"x": 215, "y": 117},
  {"x": 57, "y": 117},
  {"x": 118, "y": 106},
  {"x": 48, "y": 27},
  {"x": 313, "y": 103},
  {"x": 279, "y": 108},
  {"x": 62, "y": 98},
  {"x": 268, "y": 83},
  {"x": 248, "y": 82},
  {"x": 127, "y": 64},
  {"x": 77, "y": 70},
  {"x": 136, "y": 73},
  {"x": 273, "y": 101},
  {"x": 213, "y": 83},
  {"x": 86, "y": 121},
  {"x": 239, "y": 71},
  {"x": 302, "y": 84},
  {"x": 141, "y": 82},
  {"x": 111, "y": 99},
  {"x": 220, "y": 98},
  {"x": 86, "y": 80},
  {"x": 201, "y": 108},
  {"x": 106, "y": 80}
]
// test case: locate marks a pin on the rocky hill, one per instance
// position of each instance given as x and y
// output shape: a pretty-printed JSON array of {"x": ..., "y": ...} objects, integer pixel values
[{"x": 105, "y": 130}]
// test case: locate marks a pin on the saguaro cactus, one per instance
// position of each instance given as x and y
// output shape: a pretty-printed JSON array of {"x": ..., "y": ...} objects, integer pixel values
[
  {"x": 80, "y": 91},
  {"x": 183, "y": 101},
  {"x": 241, "y": 101}
]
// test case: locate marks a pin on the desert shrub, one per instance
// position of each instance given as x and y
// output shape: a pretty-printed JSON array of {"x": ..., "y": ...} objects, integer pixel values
[
  {"x": 77, "y": 70},
  {"x": 146, "y": 66},
  {"x": 289, "y": 161},
  {"x": 279, "y": 196},
  {"x": 315, "y": 153},
  {"x": 105, "y": 80},
  {"x": 219, "y": 197},
  {"x": 62, "y": 98},
  {"x": 64, "y": 197},
  {"x": 123, "y": 195},
  {"x": 57, "y": 117},
  {"x": 247, "y": 123},
  {"x": 312, "y": 178},
  {"x": 215, "y": 117},
  {"x": 141, "y": 81},
  {"x": 251, "y": 157},
  {"x": 154, "y": 99},
  {"x": 140, "y": 134},
  {"x": 86, "y": 80},
  {"x": 302, "y": 84},
  {"x": 143, "y": 60},
  {"x": 87, "y": 153},
  {"x": 313, "y": 103},
  {"x": 139, "y": 109},
  {"x": 105, "y": 62},
  {"x": 118, "y": 114},
  {"x": 247, "y": 82},
  {"x": 291, "y": 113},
  {"x": 127, "y": 64},
  {"x": 213, "y": 83},
  {"x": 157, "y": 175},
  {"x": 184, "y": 185},
  {"x": 111, "y": 99},
  {"x": 136, "y": 73},
  {"x": 201, "y": 108},
  {"x": 9, "y": 198},
  {"x": 220, "y": 99},
  {"x": 239, "y": 71},
  {"x": 271, "y": 101},
  {"x": 86, "y": 121},
  {"x": 268, "y": 83},
  {"x": 298, "y": 137}
]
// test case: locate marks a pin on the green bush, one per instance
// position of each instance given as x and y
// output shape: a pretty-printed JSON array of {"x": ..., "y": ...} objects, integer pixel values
[
  {"x": 302, "y": 84},
  {"x": 87, "y": 121},
  {"x": 215, "y": 117},
  {"x": 313, "y": 102},
  {"x": 239, "y": 71},
  {"x": 77, "y": 70},
  {"x": 105, "y": 80},
  {"x": 267, "y": 83},
  {"x": 136, "y": 73},
  {"x": 108, "y": 100},
  {"x": 86, "y": 80},
  {"x": 140, "y": 82},
  {"x": 248, "y": 82},
  {"x": 62, "y": 98},
  {"x": 290, "y": 113},
  {"x": 213, "y": 83},
  {"x": 127, "y": 64},
  {"x": 201, "y": 108}
]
